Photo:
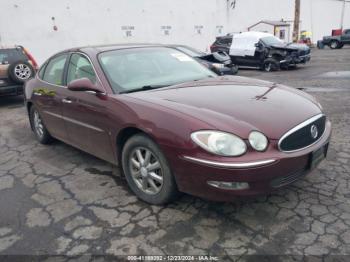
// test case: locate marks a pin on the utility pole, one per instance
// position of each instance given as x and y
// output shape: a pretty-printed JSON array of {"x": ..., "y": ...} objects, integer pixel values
[
  {"x": 296, "y": 21},
  {"x": 342, "y": 16}
]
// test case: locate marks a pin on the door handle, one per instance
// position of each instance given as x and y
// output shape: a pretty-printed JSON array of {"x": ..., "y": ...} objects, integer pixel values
[{"x": 66, "y": 101}]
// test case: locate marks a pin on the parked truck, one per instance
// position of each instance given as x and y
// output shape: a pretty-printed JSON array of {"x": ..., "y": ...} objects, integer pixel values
[{"x": 335, "y": 41}]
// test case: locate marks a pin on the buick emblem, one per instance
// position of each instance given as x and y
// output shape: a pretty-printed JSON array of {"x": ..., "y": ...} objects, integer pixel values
[{"x": 314, "y": 131}]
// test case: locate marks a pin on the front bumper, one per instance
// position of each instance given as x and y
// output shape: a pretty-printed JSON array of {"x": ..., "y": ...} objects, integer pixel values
[
  {"x": 296, "y": 60},
  {"x": 278, "y": 170}
]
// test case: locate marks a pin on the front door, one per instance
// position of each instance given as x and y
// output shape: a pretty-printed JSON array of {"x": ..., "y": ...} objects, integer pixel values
[
  {"x": 345, "y": 38},
  {"x": 85, "y": 113}
]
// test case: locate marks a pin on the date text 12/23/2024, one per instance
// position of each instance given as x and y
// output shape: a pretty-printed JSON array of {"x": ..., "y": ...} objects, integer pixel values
[{"x": 173, "y": 258}]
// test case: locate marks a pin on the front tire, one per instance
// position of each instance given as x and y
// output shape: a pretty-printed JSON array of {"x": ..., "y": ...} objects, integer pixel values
[
  {"x": 270, "y": 65},
  {"x": 147, "y": 171},
  {"x": 234, "y": 69},
  {"x": 39, "y": 129}
]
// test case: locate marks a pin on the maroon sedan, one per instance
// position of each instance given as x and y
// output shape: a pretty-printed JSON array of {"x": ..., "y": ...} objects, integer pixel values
[{"x": 173, "y": 125}]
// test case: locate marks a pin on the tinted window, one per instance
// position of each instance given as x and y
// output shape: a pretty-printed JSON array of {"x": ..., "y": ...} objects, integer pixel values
[
  {"x": 80, "y": 67},
  {"x": 54, "y": 70},
  {"x": 135, "y": 68},
  {"x": 8, "y": 56},
  {"x": 224, "y": 41},
  {"x": 271, "y": 40}
]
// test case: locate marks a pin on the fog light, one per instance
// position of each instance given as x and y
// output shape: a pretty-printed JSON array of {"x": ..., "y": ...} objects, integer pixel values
[{"x": 229, "y": 185}]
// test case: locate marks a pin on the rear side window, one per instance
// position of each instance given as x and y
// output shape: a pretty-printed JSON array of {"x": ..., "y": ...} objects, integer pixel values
[
  {"x": 9, "y": 56},
  {"x": 224, "y": 41},
  {"x": 54, "y": 70},
  {"x": 80, "y": 67}
]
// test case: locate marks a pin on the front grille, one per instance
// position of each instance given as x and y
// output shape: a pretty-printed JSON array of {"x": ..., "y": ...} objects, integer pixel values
[
  {"x": 283, "y": 181},
  {"x": 302, "y": 136},
  {"x": 304, "y": 52}
]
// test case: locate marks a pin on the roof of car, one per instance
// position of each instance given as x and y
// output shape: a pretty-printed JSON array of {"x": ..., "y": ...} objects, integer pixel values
[
  {"x": 9, "y": 46},
  {"x": 109, "y": 47},
  {"x": 252, "y": 34}
]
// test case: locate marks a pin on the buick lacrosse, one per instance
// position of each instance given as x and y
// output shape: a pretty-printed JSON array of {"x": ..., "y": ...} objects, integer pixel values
[{"x": 172, "y": 125}]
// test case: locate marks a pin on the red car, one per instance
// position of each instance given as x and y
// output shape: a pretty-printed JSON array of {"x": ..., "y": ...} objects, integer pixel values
[{"x": 173, "y": 125}]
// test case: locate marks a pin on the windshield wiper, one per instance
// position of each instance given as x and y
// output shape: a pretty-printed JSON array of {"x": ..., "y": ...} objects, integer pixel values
[{"x": 144, "y": 88}]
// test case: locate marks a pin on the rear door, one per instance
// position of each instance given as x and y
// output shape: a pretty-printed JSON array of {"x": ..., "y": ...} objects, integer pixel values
[
  {"x": 85, "y": 113},
  {"x": 48, "y": 95},
  {"x": 243, "y": 51}
]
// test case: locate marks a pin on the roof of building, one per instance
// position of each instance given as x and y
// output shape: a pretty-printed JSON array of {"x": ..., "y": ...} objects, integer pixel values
[{"x": 271, "y": 22}]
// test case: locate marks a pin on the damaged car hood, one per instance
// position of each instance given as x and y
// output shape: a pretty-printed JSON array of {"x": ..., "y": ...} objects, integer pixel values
[{"x": 292, "y": 46}]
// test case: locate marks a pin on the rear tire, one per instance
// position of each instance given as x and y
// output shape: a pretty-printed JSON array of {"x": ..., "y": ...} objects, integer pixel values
[
  {"x": 38, "y": 127},
  {"x": 334, "y": 44},
  {"x": 147, "y": 171}
]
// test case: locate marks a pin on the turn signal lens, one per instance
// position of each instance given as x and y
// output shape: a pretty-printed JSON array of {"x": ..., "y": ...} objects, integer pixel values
[{"x": 258, "y": 141}]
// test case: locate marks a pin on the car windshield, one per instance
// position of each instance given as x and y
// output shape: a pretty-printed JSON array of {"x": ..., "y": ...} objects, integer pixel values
[
  {"x": 134, "y": 69},
  {"x": 190, "y": 51},
  {"x": 271, "y": 40}
]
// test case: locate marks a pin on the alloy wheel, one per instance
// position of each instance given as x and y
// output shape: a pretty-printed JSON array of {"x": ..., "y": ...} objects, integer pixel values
[
  {"x": 146, "y": 170},
  {"x": 268, "y": 67},
  {"x": 23, "y": 71},
  {"x": 38, "y": 124}
]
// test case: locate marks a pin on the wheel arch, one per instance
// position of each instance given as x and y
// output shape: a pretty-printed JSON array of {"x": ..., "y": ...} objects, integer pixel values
[
  {"x": 125, "y": 134},
  {"x": 29, "y": 105}
]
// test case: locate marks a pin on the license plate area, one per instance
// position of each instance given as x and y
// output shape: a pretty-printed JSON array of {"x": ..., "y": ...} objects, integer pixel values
[{"x": 317, "y": 156}]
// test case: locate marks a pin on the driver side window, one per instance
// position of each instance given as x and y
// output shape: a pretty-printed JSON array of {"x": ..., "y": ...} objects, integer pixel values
[{"x": 80, "y": 67}]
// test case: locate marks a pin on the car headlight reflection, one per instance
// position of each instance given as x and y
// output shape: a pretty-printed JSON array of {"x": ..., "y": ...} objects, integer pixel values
[
  {"x": 258, "y": 141},
  {"x": 218, "y": 65},
  {"x": 220, "y": 143}
]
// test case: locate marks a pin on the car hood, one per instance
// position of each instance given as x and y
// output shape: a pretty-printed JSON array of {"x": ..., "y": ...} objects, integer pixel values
[
  {"x": 292, "y": 46},
  {"x": 237, "y": 104},
  {"x": 298, "y": 46}
]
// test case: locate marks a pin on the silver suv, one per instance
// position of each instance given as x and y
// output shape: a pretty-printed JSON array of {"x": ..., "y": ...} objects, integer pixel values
[{"x": 17, "y": 65}]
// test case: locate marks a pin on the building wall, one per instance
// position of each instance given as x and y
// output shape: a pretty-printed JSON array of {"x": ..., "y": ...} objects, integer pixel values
[{"x": 192, "y": 22}]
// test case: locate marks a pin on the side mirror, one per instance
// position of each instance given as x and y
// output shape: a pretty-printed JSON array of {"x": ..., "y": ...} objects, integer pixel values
[
  {"x": 257, "y": 45},
  {"x": 84, "y": 84}
]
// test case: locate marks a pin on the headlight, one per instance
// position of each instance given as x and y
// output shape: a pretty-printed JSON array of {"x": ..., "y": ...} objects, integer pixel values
[
  {"x": 220, "y": 143},
  {"x": 217, "y": 65},
  {"x": 258, "y": 141}
]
